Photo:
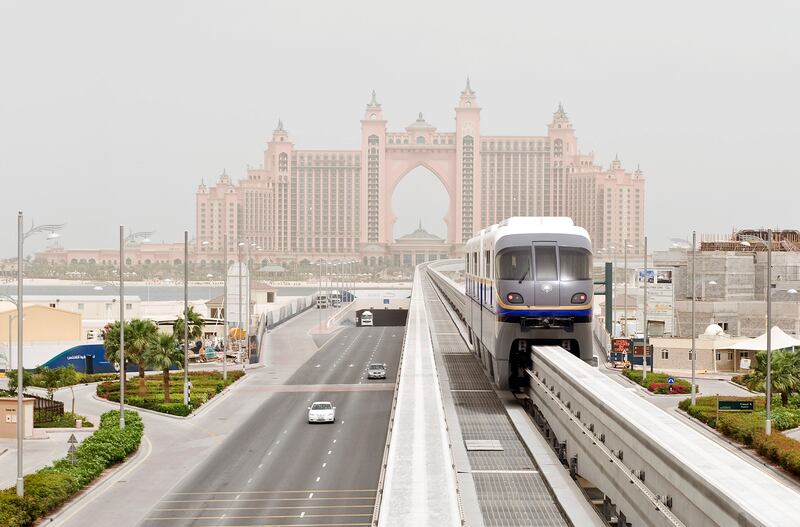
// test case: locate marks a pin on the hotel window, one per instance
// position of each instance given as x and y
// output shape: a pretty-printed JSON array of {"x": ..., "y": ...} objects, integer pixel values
[
  {"x": 665, "y": 354},
  {"x": 128, "y": 306},
  {"x": 80, "y": 306}
]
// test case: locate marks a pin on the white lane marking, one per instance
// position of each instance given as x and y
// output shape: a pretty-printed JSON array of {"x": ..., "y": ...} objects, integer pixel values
[
  {"x": 310, "y": 495},
  {"x": 221, "y": 516},
  {"x": 334, "y": 440},
  {"x": 329, "y": 452},
  {"x": 302, "y": 514},
  {"x": 269, "y": 453},
  {"x": 285, "y": 431},
  {"x": 348, "y": 366},
  {"x": 260, "y": 465},
  {"x": 317, "y": 479},
  {"x": 250, "y": 480},
  {"x": 278, "y": 442},
  {"x": 317, "y": 366},
  {"x": 324, "y": 465},
  {"x": 237, "y": 497}
]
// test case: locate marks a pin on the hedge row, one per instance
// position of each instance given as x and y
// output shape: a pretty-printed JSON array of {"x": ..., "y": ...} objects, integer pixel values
[
  {"x": 747, "y": 428},
  {"x": 205, "y": 385},
  {"x": 51, "y": 486},
  {"x": 655, "y": 380}
]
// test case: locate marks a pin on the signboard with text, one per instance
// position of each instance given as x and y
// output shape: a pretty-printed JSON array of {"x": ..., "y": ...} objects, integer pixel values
[{"x": 660, "y": 298}]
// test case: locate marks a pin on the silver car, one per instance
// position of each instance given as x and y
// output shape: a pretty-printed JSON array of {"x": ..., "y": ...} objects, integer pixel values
[
  {"x": 376, "y": 370},
  {"x": 321, "y": 412}
]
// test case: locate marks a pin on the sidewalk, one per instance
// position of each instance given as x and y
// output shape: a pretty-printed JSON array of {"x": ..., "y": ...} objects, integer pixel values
[{"x": 37, "y": 453}]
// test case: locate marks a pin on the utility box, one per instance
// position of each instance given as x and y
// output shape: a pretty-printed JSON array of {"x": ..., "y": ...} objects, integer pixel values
[{"x": 9, "y": 418}]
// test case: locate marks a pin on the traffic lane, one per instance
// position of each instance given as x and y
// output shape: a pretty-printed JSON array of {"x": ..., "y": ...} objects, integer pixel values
[
  {"x": 233, "y": 467},
  {"x": 324, "y": 473},
  {"x": 345, "y": 360},
  {"x": 319, "y": 368}
]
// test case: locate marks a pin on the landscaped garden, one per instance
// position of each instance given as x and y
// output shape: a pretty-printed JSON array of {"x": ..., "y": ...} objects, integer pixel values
[
  {"x": 657, "y": 382},
  {"x": 50, "y": 487},
  {"x": 747, "y": 427},
  {"x": 205, "y": 385}
]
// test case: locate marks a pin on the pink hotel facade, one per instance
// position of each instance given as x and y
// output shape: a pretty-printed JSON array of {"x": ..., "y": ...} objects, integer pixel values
[{"x": 307, "y": 204}]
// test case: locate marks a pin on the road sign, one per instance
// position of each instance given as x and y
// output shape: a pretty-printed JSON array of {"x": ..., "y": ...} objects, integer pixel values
[
  {"x": 72, "y": 449},
  {"x": 670, "y": 380},
  {"x": 385, "y": 300},
  {"x": 72, "y": 440},
  {"x": 734, "y": 406}
]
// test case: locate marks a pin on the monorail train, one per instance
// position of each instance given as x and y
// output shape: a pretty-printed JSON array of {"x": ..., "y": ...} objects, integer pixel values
[{"x": 528, "y": 281}]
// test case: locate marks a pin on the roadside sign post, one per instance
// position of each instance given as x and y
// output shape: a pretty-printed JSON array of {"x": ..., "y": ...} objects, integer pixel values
[{"x": 671, "y": 382}]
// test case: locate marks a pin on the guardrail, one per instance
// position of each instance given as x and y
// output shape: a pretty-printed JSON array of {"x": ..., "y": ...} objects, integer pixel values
[{"x": 655, "y": 468}]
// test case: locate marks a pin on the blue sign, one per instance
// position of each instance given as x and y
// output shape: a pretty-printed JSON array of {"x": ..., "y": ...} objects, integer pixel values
[
  {"x": 671, "y": 380},
  {"x": 385, "y": 300}
]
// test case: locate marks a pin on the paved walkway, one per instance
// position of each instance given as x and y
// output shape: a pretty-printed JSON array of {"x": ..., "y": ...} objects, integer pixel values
[{"x": 37, "y": 453}]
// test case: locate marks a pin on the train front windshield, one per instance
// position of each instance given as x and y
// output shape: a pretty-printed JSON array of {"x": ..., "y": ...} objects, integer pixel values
[{"x": 514, "y": 263}]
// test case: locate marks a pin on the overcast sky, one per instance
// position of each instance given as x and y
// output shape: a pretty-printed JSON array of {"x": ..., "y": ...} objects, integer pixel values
[{"x": 112, "y": 113}]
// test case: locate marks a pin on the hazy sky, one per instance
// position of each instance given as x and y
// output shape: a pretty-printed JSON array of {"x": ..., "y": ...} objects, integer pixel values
[{"x": 112, "y": 113}]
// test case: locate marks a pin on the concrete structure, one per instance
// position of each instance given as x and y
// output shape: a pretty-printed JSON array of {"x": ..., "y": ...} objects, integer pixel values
[
  {"x": 9, "y": 420},
  {"x": 304, "y": 204},
  {"x": 42, "y": 324},
  {"x": 731, "y": 283}
]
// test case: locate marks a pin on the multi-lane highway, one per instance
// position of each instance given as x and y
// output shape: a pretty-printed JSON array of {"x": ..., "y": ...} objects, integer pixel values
[{"x": 277, "y": 469}]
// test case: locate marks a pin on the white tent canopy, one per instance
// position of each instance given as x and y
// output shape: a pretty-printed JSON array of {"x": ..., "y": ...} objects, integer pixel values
[{"x": 780, "y": 340}]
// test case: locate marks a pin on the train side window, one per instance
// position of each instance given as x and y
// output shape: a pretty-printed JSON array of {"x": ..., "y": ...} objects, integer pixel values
[
  {"x": 576, "y": 263},
  {"x": 545, "y": 259},
  {"x": 488, "y": 259}
]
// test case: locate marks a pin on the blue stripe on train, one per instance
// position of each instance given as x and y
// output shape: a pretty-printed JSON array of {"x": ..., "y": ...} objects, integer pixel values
[{"x": 544, "y": 312}]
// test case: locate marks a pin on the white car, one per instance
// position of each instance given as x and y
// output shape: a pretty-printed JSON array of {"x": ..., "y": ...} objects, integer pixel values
[{"x": 321, "y": 412}]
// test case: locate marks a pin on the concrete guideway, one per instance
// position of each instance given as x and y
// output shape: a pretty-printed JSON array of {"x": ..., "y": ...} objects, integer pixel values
[{"x": 420, "y": 483}]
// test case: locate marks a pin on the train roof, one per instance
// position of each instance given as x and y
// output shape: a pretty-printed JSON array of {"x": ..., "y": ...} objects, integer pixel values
[{"x": 535, "y": 225}]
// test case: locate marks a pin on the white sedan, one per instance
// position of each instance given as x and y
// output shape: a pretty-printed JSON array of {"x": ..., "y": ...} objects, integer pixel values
[{"x": 321, "y": 412}]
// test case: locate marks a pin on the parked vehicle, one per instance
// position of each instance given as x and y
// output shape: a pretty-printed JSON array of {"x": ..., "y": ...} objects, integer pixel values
[
  {"x": 376, "y": 370},
  {"x": 321, "y": 412}
]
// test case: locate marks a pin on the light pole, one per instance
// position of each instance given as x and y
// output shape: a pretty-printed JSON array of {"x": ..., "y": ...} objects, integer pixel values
[
  {"x": 768, "y": 422},
  {"x": 239, "y": 333},
  {"x": 694, "y": 294},
  {"x": 122, "y": 369},
  {"x": 644, "y": 316},
  {"x": 186, "y": 318},
  {"x": 225, "y": 311},
  {"x": 21, "y": 237}
]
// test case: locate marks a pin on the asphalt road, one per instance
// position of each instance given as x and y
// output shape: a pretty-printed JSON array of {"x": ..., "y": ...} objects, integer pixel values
[{"x": 277, "y": 469}]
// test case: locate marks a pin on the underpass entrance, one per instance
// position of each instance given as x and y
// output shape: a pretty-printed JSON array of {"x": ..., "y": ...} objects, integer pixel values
[{"x": 381, "y": 317}]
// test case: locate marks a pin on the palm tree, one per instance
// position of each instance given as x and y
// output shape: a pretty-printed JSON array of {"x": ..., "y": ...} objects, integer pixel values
[
  {"x": 163, "y": 356},
  {"x": 144, "y": 335},
  {"x": 785, "y": 374},
  {"x": 140, "y": 335},
  {"x": 195, "y": 326}
]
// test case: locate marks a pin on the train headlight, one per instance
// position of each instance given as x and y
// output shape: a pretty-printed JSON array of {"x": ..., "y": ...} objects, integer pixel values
[
  {"x": 579, "y": 298},
  {"x": 514, "y": 298}
]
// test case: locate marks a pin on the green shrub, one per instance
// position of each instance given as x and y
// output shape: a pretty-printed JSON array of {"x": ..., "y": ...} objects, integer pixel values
[
  {"x": 657, "y": 382},
  {"x": 65, "y": 421},
  {"x": 205, "y": 385},
  {"x": 51, "y": 486}
]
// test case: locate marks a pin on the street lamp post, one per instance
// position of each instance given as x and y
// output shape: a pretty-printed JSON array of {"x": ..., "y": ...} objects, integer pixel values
[
  {"x": 186, "y": 318},
  {"x": 644, "y": 316},
  {"x": 225, "y": 311},
  {"x": 239, "y": 323},
  {"x": 20, "y": 420},
  {"x": 768, "y": 422},
  {"x": 21, "y": 237},
  {"x": 122, "y": 369},
  {"x": 694, "y": 294}
]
